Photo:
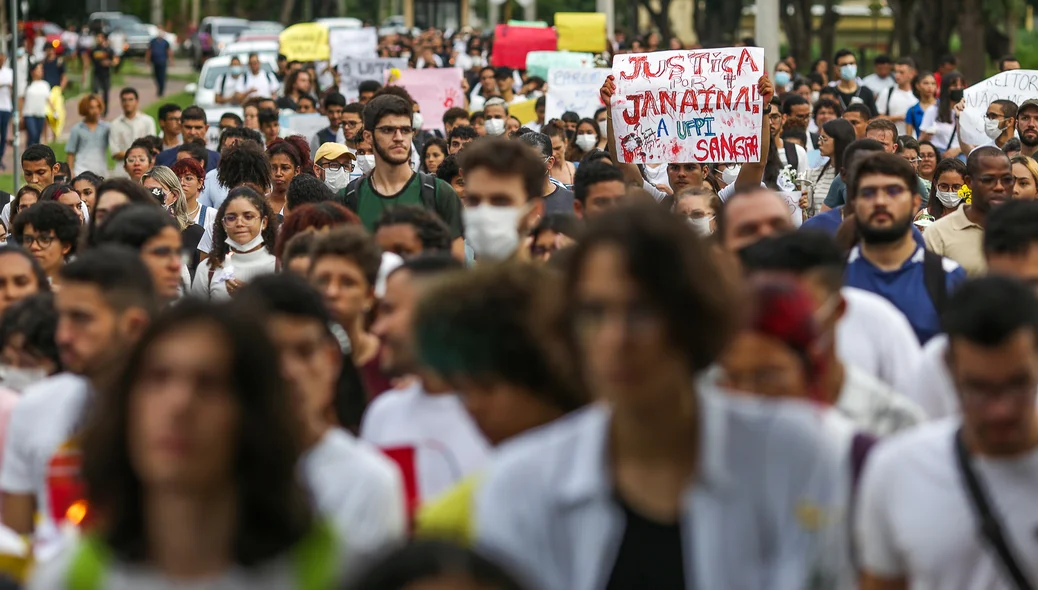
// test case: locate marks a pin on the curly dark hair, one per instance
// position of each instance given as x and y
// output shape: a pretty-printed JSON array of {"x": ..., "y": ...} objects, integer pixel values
[
  {"x": 220, "y": 247},
  {"x": 354, "y": 243},
  {"x": 36, "y": 321},
  {"x": 246, "y": 163},
  {"x": 273, "y": 511},
  {"x": 312, "y": 216},
  {"x": 431, "y": 230},
  {"x": 49, "y": 216}
]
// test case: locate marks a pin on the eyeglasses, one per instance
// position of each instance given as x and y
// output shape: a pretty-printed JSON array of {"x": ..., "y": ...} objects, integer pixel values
[
  {"x": 823, "y": 139},
  {"x": 993, "y": 116},
  {"x": 333, "y": 166},
  {"x": 944, "y": 187},
  {"x": 41, "y": 240},
  {"x": 891, "y": 190},
  {"x": 1007, "y": 181},
  {"x": 405, "y": 130},
  {"x": 232, "y": 218}
]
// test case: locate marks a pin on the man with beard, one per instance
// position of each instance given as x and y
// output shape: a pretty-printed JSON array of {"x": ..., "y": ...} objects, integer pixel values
[
  {"x": 888, "y": 261},
  {"x": 1027, "y": 127},
  {"x": 960, "y": 234},
  {"x": 789, "y": 153},
  {"x": 388, "y": 126}
]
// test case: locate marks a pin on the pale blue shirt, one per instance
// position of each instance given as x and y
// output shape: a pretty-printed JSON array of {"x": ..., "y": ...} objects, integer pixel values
[{"x": 214, "y": 193}]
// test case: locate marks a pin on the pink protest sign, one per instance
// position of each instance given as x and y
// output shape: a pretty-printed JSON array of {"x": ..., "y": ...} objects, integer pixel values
[
  {"x": 688, "y": 105},
  {"x": 435, "y": 90}
]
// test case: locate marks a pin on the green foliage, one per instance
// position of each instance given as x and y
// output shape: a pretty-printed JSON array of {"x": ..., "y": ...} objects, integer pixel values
[{"x": 183, "y": 99}]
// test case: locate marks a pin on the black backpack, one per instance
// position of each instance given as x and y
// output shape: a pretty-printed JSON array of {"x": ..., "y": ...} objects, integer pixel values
[
  {"x": 351, "y": 194},
  {"x": 791, "y": 155},
  {"x": 935, "y": 281}
]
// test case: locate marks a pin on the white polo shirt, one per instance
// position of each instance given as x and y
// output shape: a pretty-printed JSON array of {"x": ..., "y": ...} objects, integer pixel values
[{"x": 915, "y": 520}]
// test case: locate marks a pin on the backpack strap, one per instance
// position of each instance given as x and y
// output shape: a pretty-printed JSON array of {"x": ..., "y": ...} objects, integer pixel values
[
  {"x": 314, "y": 558},
  {"x": 890, "y": 94},
  {"x": 791, "y": 155},
  {"x": 935, "y": 281},
  {"x": 89, "y": 565},
  {"x": 351, "y": 194},
  {"x": 427, "y": 190},
  {"x": 202, "y": 214}
]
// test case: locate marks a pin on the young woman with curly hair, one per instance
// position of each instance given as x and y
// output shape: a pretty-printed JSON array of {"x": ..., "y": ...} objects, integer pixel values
[
  {"x": 243, "y": 245},
  {"x": 288, "y": 157}
]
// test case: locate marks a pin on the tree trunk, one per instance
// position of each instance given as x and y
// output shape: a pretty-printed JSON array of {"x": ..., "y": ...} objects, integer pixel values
[
  {"x": 286, "y": 11},
  {"x": 972, "y": 34},
  {"x": 798, "y": 28},
  {"x": 904, "y": 19},
  {"x": 660, "y": 18},
  {"x": 717, "y": 21},
  {"x": 827, "y": 31},
  {"x": 934, "y": 25}
]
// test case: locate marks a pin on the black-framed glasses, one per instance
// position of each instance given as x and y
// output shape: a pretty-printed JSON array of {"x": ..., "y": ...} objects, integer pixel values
[
  {"x": 993, "y": 116},
  {"x": 42, "y": 240},
  {"x": 405, "y": 130}
]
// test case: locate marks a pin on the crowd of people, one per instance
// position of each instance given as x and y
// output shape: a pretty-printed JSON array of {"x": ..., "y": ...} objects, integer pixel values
[{"x": 501, "y": 357}]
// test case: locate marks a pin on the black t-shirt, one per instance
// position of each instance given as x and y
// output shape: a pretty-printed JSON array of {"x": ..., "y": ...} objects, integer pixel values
[
  {"x": 101, "y": 58},
  {"x": 863, "y": 93},
  {"x": 650, "y": 554},
  {"x": 559, "y": 201}
]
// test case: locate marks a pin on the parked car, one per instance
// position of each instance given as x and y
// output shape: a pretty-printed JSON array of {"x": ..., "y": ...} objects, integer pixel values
[
  {"x": 243, "y": 48},
  {"x": 44, "y": 33},
  {"x": 171, "y": 38},
  {"x": 213, "y": 34},
  {"x": 264, "y": 27},
  {"x": 212, "y": 71},
  {"x": 394, "y": 25}
]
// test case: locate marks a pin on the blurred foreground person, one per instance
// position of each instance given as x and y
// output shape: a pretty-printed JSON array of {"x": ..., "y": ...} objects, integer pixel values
[
  {"x": 625, "y": 493},
  {"x": 190, "y": 465},
  {"x": 434, "y": 565}
]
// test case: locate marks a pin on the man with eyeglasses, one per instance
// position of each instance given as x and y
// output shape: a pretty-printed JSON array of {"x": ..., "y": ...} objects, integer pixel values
[
  {"x": 789, "y": 153},
  {"x": 888, "y": 261},
  {"x": 333, "y": 163},
  {"x": 1000, "y": 122},
  {"x": 796, "y": 117},
  {"x": 1027, "y": 127},
  {"x": 388, "y": 125},
  {"x": 959, "y": 235}
]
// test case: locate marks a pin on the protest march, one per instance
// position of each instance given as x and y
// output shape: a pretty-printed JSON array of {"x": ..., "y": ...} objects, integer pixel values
[{"x": 529, "y": 305}]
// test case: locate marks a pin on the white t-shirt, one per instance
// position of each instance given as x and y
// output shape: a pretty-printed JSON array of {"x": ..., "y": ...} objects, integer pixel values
[
  {"x": 878, "y": 85},
  {"x": 431, "y": 437},
  {"x": 6, "y": 81},
  {"x": 942, "y": 132},
  {"x": 227, "y": 85},
  {"x": 802, "y": 164},
  {"x": 933, "y": 387},
  {"x": 36, "y": 96},
  {"x": 873, "y": 406},
  {"x": 265, "y": 83},
  {"x": 896, "y": 102},
  {"x": 875, "y": 336},
  {"x": 358, "y": 490},
  {"x": 915, "y": 518},
  {"x": 45, "y": 418}
]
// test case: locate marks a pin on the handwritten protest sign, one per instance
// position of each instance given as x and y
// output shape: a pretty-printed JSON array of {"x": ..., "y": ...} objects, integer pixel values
[
  {"x": 539, "y": 62},
  {"x": 435, "y": 90},
  {"x": 1014, "y": 85},
  {"x": 688, "y": 106},
  {"x": 573, "y": 90},
  {"x": 304, "y": 42},
  {"x": 581, "y": 31},
  {"x": 512, "y": 44},
  {"x": 353, "y": 43},
  {"x": 354, "y": 71}
]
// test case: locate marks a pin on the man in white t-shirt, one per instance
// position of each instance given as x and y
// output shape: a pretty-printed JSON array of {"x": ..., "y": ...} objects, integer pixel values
[
  {"x": 918, "y": 522},
  {"x": 894, "y": 102},
  {"x": 790, "y": 154},
  {"x": 880, "y": 79},
  {"x": 257, "y": 81},
  {"x": 105, "y": 302},
  {"x": 227, "y": 85},
  {"x": 423, "y": 426},
  {"x": 1010, "y": 249},
  {"x": 357, "y": 488}
]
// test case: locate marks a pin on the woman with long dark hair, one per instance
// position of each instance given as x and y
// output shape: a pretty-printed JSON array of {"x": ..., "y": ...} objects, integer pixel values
[
  {"x": 940, "y": 122},
  {"x": 833, "y": 138},
  {"x": 194, "y": 478},
  {"x": 243, "y": 245}
]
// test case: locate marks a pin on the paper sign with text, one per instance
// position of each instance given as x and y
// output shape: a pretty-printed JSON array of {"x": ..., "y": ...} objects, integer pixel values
[
  {"x": 354, "y": 71},
  {"x": 1014, "y": 85},
  {"x": 434, "y": 89},
  {"x": 573, "y": 90},
  {"x": 688, "y": 106},
  {"x": 538, "y": 63},
  {"x": 304, "y": 42},
  {"x": 353, "y": 43}
]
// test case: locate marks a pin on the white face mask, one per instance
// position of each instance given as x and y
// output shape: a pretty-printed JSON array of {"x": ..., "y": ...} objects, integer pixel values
[
  {"x": 586, "y": 141},
  {"x": 603, "y": 127},
  {"x": 814, "y": 97},
  {"x": 336, "y": 179},
  {"x": 992, "y": 129},
  {"x": 494, "y": 126},
  {"x": 493, "y": 232},
  {"x": 417, "y": 120},
  {"x": 19, "y": 379},
  {"x": 701, "y": 225},
  {"x": 366, "y": 163},
  {"x": 248, "y": 246},
  {"x": 949, "y": 200}
]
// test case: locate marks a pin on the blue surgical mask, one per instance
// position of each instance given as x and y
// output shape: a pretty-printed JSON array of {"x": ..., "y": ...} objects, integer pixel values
[
  {"x": 782, "y": 79},
  {"x": 849, "y": 72},
  {"x": 237, "y": 70}
]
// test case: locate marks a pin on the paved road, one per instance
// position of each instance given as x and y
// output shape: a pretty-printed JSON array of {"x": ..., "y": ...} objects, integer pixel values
[{"x": 145, "y": 88}]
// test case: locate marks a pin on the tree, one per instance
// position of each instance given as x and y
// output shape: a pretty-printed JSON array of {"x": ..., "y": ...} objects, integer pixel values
[
  {"x": 660, "y": 16},
  {"x": 827, "y": 29},
  {"x": 798, "y": 22},
  {"x": 904, "y": 19},
  {"x": 971, "y": 34},
  {"x": 716, "y": 21},
  {"x": 933, "y": 29}
]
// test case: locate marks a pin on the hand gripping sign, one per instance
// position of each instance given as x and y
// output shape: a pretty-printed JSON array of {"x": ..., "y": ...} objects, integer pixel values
[{"x": 688, "y": 106}]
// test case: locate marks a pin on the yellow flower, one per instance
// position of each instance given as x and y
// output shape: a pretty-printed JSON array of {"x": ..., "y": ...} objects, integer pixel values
[
  {"x": 966, "y": 194},
  {"x": 394, "y": 75}
]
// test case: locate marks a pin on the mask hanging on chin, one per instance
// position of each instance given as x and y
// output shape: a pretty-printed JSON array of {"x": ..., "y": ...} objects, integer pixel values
[
  {"x": 493, "y": 232},
  {"x": 251, "y": 244}
]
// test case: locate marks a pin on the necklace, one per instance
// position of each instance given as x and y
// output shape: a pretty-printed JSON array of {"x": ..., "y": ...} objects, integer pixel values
[{"x": 194, "y": 212}]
